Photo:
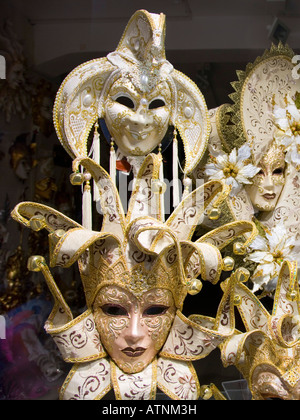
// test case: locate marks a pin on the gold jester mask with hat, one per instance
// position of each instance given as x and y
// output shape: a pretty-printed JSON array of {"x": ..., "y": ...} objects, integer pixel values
[{"x": 136, "y": 273}]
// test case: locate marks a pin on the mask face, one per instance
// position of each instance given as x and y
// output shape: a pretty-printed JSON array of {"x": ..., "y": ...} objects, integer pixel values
[
  {"x": 133, "y": 330},
  {"x": 137, "y": 121},
  {"x": 268, "y": 183}
]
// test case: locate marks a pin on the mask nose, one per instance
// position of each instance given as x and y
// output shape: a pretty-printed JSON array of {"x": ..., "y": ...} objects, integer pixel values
[
  {"x": 268, "y": 183},
  {"x": 134, "y": 332},
  {"x": 141, "y": 119}
]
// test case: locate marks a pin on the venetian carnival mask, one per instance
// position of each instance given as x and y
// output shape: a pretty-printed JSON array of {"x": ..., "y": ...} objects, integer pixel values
[
  {"x": 137, "y": 98},
  {"x": 133, "y": 330},
  {"x": 138, "y": 120},
  {"x": 267, "y": 185},
  {"x": 262, "y": 118},
  {"x": 136, "y": 273},
  {"x": 138, "y": 94},
  {"x": 279, "y": 379}
]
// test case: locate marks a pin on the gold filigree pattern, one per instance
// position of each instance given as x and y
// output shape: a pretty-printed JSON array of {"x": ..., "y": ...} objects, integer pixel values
[{"x": 253, "y": 96}]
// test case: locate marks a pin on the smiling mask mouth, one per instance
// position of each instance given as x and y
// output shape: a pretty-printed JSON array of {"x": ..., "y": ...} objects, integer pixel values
[{"x": 269, "y": 196}]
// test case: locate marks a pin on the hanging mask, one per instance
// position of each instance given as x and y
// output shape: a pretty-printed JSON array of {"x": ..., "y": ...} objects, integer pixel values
[{"x": 137, "y": 92}]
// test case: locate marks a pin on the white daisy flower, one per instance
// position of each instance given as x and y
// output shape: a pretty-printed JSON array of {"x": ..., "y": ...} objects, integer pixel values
[
  {"x": 269, "y": 253},
  {"x": 287, "y": 120},
  {"x": 233, "y": 169}
]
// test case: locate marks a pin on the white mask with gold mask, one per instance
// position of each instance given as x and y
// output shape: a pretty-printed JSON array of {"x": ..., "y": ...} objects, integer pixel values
[
  {"x": 267, "y": 185},
  {"x": 137, "y": 121},
  {"x": 133, "y": 330}
]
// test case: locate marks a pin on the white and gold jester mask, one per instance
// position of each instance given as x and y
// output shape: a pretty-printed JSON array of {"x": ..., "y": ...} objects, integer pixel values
[
  {"x": 136, "y": 273},
  {"x": 267, "y": 354},
  {"x": 139, "y": 95}
]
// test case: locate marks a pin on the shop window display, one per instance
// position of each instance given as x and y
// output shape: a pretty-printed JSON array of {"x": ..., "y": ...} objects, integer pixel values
[{"x": 130, "y": 339}]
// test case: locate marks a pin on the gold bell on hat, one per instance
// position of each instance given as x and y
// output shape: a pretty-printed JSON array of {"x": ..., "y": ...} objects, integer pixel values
[
  {"x": 158, "y": 186},
  {"x": 242, "y": 274},
  {"x": 77, "y": 178},
  {"x": 237, "y": 300},
  {"x": 37, "y": 222},
  {"x": 292, "y": 295},
  {"x": 194, "y": 286},
  {"x": 206, "y": 392},
  {"x": 55, "y": 237},
  {"x": 238, "y": 248},
  {"x": 214, "y": 213},
  {"x": 35, "y": 262},
  {"x": 59, "y": 233},
  {"x": 228, "y": 264}
]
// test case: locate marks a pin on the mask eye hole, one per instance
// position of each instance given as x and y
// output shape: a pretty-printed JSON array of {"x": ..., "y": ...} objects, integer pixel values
[
  {"x": 278, "y": 171},
  {"x": 124, "y": 100},
  {"x": 114, "y": 310},
  {"x": 155, "y": 310},
  {"x": 156, "y": 103}
]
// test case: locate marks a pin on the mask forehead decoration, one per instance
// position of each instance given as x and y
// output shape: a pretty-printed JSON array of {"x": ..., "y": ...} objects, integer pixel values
[
  {"x": 267, "y": 354},
  {"x": 136, "y": 273},
  {"x": 273, "y": 159}
]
